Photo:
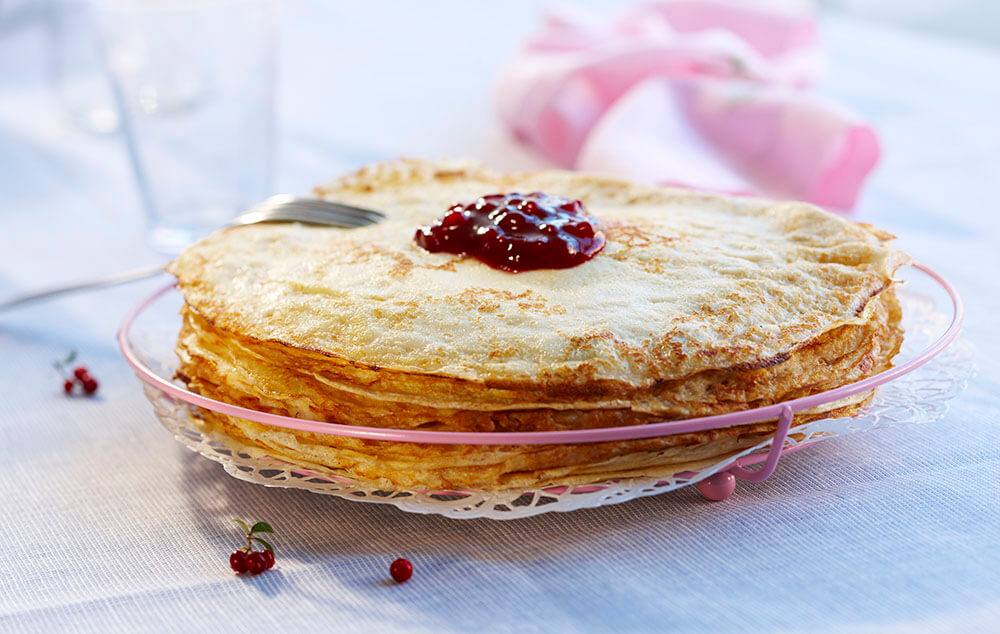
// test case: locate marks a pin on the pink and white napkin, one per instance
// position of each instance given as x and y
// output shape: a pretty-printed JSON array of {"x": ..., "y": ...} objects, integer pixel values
[{"x": 706, "y": 94}]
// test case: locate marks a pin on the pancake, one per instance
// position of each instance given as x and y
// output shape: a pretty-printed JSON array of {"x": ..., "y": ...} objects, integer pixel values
[
  {"x": 269, "y": 377},
  {"x": 699, "y": 304}
]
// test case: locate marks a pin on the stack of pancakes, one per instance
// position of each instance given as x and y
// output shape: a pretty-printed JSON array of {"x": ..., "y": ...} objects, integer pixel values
[{"x": 698, "y": 305}]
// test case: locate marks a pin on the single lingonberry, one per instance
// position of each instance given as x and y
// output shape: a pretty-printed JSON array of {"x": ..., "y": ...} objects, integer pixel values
[
  {"x": 68, "y": 386},
  {"x": 268, "y": 558},
  {"x": 81, "y": 372},
  {"x": 89, "y": 385},
  {"x": 238, "y": 561},
  {"x": 401, "y": 570},
  {"x": 453, "y": 219},
  {"x": 256, "y": 563}
]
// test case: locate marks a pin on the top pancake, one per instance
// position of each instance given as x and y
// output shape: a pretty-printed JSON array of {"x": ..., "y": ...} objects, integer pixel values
[{"x": 687, "y": 282}]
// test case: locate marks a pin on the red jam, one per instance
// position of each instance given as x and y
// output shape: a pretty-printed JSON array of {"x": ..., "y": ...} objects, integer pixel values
[{"x": 515, "y": 232}]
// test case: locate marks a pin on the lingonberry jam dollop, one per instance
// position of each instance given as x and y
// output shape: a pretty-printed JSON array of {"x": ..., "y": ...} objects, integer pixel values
[{"x": 514, "y": 232}]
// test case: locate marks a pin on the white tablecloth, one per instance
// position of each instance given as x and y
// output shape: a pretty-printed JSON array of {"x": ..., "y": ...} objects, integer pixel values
[{"x": 107, "y": 524}]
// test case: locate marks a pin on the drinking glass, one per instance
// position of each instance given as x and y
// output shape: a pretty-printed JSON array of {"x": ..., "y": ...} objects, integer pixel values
[
  {"x": 193, "y": 82},
  {"x": 76, "y": 67}
]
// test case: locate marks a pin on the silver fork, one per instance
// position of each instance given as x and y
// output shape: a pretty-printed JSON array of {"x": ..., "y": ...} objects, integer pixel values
[{"x": 282, "y": 208}]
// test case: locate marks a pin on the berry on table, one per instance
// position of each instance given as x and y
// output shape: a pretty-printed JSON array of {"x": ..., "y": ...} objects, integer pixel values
[
  {"x": 238, "y": 561},
  {"x": 256, "y": 563},
  {"x": 80, "y": 375},
  {"x": 247, "y": 559},
  {"x": 268, "y": 558},
  {"x": 401, "y": 570}
]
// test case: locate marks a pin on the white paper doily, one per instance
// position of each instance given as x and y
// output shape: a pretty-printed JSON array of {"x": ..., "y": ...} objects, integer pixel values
[{"x": 918, "y": 397}]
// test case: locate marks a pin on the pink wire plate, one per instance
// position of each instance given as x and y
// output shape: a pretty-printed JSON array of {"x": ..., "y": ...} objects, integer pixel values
[{"x": 148, "y": 335}]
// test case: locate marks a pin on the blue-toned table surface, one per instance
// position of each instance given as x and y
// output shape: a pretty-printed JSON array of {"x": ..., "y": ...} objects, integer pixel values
[{"x": 107, "y": 524}]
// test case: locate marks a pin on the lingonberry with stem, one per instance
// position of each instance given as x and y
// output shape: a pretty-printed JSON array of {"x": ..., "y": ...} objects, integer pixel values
[
  {"x": 253, "y": 561},
  {"x": 79, "y": 375}
]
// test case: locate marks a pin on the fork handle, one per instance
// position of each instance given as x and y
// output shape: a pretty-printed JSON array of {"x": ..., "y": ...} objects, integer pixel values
[{"x": 110, "y": 280}]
